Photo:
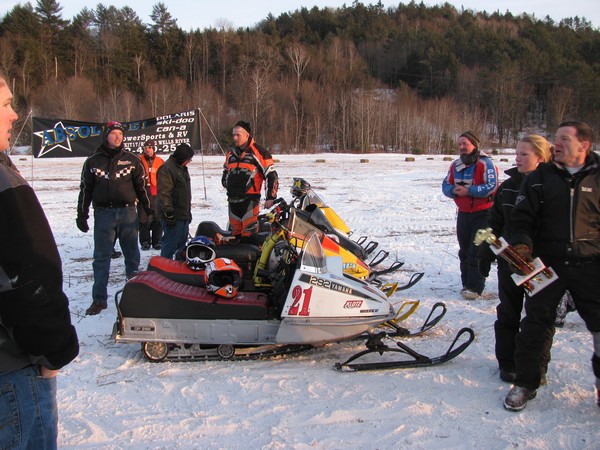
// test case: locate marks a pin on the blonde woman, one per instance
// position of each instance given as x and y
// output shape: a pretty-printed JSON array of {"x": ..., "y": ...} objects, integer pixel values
[{"x": 531, "y": 151}]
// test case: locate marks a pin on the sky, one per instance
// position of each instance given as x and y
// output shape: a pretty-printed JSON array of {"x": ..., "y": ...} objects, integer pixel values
[{"x": 200, "y": 14}]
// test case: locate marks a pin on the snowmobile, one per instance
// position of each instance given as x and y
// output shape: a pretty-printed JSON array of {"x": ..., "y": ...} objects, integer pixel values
[
  {"x": 327, "y": 220},
  {"x": 300, "y": 300}
]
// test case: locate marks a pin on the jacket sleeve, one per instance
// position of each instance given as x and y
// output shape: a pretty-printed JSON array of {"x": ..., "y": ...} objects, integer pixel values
[
  {"x": 496, "y": 221},
  {"x": 448, "y": 183},
  {"x": 490, "y": 179},
  {"x": 86, "y": 187},
  {"x": 35, "y": 311},
  {"x": 523, "y": 216},
  {"x": 140, "y": 184},
  {"x": 164, "y": 180}
]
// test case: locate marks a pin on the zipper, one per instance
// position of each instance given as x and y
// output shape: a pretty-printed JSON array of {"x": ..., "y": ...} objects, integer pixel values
[{"x": 571, "y": 213}]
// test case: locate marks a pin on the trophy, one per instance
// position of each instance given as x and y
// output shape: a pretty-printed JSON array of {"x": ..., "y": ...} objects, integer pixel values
[{"x": 537, "y": 275}]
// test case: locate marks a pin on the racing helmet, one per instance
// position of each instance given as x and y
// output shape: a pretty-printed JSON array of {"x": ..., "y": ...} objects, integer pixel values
[
  {"x": 199, "y": 251},
  {"x": 299, "y": 187},
  {"x": 223, "y": 277}
]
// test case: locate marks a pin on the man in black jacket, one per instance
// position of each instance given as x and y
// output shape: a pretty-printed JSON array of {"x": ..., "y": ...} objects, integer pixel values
[
  {"x": 36, "y": 335},
  {"x": 175, "y": 200},
  {"x": 111, "y": 180},
  {"x": 557, "y": 217}
]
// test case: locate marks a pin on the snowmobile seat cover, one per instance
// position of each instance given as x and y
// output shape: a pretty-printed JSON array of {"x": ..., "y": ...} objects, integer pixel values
[
  {"x": 177, "y": 271},
  {"x": 150, "y": 295}
]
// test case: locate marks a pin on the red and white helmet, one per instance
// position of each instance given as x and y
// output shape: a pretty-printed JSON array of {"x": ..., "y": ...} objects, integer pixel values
[{"x": 223, "y": 277}]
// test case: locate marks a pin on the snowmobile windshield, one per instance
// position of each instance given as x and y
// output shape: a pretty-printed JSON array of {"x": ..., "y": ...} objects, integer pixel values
[
  {"x": 311, "y": 198},
  {"x": 313, "y": 255}
]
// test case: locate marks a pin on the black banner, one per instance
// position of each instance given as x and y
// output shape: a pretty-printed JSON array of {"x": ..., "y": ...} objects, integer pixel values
[{"x": 53, "y": 138}]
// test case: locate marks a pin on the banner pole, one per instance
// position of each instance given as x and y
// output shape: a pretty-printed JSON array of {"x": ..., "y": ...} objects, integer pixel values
[{"x": 202, "y": 155}]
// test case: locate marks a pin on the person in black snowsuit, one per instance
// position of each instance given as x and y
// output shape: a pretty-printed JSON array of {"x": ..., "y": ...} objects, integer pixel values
[
  {"x": 111, "y": 180},
  {"x": 531, "y": 151},
  {"x": 556, "y": 218},
  {"x": 36, "y": 335}
]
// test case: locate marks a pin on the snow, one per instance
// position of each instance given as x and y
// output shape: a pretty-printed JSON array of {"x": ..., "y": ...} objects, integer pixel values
[{"x": 110, "y": 397}]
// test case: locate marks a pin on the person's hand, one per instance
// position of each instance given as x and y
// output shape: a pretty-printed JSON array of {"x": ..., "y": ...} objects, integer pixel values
[
  {"x": 269, "y": 203},
  {"x": 524, "y": 252},
  {"x": 48, "y": 373},
  {"x": 461, "y": 191},
  {"x": 170, "y": 219},
  {"x": 82, "y": 224}
]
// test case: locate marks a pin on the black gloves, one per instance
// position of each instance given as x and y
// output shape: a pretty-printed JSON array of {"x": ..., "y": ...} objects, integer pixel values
[
  {"x": 170, "y": 219},
  {"x": 82, "y": 224},
  {"x": 524, "y": 252}
]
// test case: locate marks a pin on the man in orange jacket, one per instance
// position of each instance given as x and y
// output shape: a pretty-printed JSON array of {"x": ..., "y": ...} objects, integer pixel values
[
  {"x": 247, "y": 166},
  {"x": 150, "y": 232}
]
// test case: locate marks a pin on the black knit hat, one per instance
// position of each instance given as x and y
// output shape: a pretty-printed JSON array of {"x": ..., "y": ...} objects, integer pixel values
[
  {"x": 110, "y": 126},
  {"x": 150, "y": 143},
  {"x": 183, "y": 153},
  {"x": 471, "y": 137},
  {"x": 245, "y": 125}
]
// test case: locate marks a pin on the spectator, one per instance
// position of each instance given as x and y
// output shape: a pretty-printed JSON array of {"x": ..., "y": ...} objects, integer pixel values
[
  {"x": 471, "y": 182},
  {"x": 36, "y": 335},
  {"x": 111, "y": 180},
  {"x": 175, "y": 200},
  {"x": 150, "y": 230},
  {"x": 531, "y": 151},
  {"x": 556, "y": 218},
  {"x": 247, "y": 166}
]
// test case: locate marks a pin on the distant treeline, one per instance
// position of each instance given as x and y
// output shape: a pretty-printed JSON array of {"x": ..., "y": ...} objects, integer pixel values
[{"x": 357, "y": 78}]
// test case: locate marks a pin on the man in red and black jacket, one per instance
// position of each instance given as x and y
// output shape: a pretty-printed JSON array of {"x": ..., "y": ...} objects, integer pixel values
[{"x": 247, "y": 166}]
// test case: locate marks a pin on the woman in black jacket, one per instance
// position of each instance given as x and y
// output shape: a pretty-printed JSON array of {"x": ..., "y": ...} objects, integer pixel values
[{"x": 531, "y": 151}]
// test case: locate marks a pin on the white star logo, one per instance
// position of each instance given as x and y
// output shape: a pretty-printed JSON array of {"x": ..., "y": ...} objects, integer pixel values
[{"x": 54, "y": 138}]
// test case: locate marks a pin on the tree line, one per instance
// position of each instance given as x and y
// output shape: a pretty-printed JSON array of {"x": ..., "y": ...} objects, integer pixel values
[{"x": 359, "y": 78}]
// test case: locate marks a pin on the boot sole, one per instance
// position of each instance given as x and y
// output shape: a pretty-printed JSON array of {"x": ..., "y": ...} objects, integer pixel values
[{"x": 519, "y": 408}]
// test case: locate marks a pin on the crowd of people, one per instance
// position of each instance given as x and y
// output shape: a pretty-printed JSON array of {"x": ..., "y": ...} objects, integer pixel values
[{"x": 548, "y": 207}]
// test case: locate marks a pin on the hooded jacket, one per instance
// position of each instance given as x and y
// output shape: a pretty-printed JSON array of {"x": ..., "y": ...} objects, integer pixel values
[
  {"x": 35, "y": 322},
  {"x": 558, "y": 214},
  {"x": 174, "y": 190}
]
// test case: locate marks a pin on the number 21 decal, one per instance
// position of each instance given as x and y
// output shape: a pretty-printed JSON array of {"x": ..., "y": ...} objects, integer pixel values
[{"x": 300, "y": 305}]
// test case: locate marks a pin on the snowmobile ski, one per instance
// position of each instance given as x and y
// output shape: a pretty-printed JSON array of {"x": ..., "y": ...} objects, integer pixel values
[
  {"x": 414, "y": 279},
  {"x": 392, "y": 268},
  {"x": 375, "y": 345},
  {"x": 427, "y": 325}
]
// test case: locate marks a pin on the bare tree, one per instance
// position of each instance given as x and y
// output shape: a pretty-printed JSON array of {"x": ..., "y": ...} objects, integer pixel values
[{"x": 299, "y": 59}]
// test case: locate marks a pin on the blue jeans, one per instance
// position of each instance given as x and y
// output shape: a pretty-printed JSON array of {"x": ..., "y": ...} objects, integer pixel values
[
  {"x": 174, "y": 237},
  {"x": 28, "y": 411},
  {"x": 110, "y": 224}
]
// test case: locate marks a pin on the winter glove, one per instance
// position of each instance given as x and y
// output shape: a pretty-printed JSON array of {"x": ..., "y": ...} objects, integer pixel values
[
  {"x": 170, "y": 219},
  {"x": 524, "y": 252},
  {"x": 82, "y": 224}
]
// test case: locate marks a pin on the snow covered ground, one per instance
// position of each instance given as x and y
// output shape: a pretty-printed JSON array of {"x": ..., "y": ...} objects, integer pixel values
[{"x": 110, "y": 397}]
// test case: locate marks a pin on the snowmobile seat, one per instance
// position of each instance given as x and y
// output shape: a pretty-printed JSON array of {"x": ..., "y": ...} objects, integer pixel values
[
  {"x": 151, "y": 295},
  {"x": 176, "y": 270}
]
